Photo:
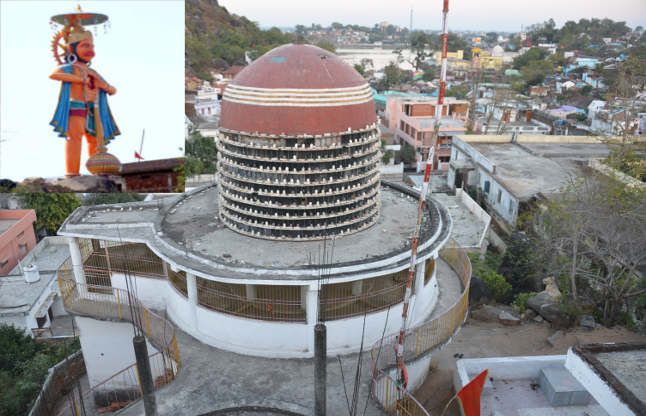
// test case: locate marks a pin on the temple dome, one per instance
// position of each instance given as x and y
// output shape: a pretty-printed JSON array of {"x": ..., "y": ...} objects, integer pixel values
[{"x": 297, "y": 90}]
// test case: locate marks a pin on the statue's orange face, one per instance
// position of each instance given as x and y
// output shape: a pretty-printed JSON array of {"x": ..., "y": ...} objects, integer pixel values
[{"x": 85, "y": 50}]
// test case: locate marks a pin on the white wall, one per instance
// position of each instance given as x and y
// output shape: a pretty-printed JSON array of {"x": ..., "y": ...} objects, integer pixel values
[
  {"x": 107, "y": 347},
  {"x": 597, "y": 387},
  {"x": 279, "y": 339}
]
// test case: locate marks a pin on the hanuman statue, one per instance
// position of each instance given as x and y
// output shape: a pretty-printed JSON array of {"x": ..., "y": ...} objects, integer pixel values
[{"x": 82, "y": 109}]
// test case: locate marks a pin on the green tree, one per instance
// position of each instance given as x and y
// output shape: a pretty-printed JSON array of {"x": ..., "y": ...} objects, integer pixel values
[
  {"x": 360, "y": 69},
  {"x": 419, "y": 42},
  {"x": 519, "y": 264},
  {"x": 201, "y": 155},
  {"x": 23, "y": 368},
  {"x": 111, "y": 198},
  {"x": 52, "y": 209},
  {"x": 529, "y": 57},
  {"x": 327, "y": 45},
  {"x": 407, "y": 153}
]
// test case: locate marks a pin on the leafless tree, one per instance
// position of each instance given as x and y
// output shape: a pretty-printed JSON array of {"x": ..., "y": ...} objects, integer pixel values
[{"x": 597, "y": 230}]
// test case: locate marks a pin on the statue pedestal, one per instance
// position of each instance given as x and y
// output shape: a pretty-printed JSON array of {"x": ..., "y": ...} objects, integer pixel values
[{"x": 82, "y": 184}]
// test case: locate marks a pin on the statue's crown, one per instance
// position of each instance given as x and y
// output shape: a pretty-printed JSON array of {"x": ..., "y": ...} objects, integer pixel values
[{"x": 77, "y": 34}]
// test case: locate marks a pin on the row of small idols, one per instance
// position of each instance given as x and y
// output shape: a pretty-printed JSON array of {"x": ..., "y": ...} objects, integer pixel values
[{"x": 299, "y": 192}]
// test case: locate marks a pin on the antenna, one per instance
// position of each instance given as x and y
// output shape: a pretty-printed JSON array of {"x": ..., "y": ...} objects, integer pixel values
[{"x": 141, "y": 144}]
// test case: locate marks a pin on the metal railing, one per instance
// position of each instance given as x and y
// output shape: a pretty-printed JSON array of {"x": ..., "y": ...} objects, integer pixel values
[
  {"x": 264, "y": 302},
  {"x": 119, "y": 391},
  {"x": 343, "y": 300},
  {"x": 114, "y": 304},
  {"x": 178, "y": 280},
  {"x": 119, "y": 305},
  {"x": 420, "y": 340},
  {"x": 102, "y": 258},
  {"x": 384, "y": 388}
]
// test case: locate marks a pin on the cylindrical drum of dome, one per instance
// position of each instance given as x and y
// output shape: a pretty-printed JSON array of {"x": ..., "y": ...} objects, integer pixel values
[{"x": 298, "y": 148}]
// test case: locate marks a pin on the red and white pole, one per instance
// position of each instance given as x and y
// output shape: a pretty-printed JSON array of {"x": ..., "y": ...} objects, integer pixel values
[
  {"x": 445, "y": 51},
  {"x": 402, "y": 374}
]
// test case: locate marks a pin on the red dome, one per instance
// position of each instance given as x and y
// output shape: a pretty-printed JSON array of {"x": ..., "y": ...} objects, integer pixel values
[{"x": 296, "y": 90}]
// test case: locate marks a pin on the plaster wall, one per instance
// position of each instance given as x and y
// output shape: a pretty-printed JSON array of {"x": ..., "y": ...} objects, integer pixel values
[
  {"x": 17, "y": 321},
  {"x": 107, "y": 348},
  {"x": 152, "y": 292},
  {"x": 279, "y": 339},
  {"x": 598, "y": 388},
  {"x": 498, "y": 198},
  {"x": 508, "y": 368}
]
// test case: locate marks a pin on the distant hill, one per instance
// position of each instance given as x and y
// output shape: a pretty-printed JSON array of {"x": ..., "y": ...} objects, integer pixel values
[{"x": 217, "y": 39}]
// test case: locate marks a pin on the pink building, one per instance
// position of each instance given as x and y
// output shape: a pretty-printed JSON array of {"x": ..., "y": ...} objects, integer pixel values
[
  {"x": 413, "y": 122},
  {"x": 17, "y": 237}
]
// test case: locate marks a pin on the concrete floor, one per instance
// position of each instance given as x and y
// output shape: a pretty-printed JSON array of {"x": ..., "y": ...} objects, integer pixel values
[
  {"x": 213, "y": 379},
  {"x": 467, "y": 227},
  {"x": 518, "y": 398}
]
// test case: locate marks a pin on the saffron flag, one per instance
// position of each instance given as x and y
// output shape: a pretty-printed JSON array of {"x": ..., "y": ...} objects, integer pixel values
[
  {"x": 469, "y": 396},
  {"x": 138, "y": 156}
]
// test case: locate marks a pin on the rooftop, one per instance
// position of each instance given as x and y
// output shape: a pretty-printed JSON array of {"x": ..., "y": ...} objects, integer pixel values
[
  {"x": 187, "y": 230},
  {"x": 622, "y": 366},
  {"x": 524, "y": 174},
  {"x": 16, "y": 295},
  {"x": 536, "y": 163}
]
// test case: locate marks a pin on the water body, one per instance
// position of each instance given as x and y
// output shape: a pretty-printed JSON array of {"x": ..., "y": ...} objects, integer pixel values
[{"x": 380, "y": 57}]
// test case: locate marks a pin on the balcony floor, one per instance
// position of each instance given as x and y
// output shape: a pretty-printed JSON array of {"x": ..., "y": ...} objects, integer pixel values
[{"x": 213, "y": 379}]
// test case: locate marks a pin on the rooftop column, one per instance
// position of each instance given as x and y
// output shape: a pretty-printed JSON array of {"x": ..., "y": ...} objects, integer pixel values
[
  {"x": 191, "y": 289},
  {"x": 312, "y": 308},
  {"x": 77, "y": 262}
]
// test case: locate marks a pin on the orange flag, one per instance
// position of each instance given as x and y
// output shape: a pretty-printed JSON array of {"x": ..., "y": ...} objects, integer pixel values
[{"x": 469, "y": 396}]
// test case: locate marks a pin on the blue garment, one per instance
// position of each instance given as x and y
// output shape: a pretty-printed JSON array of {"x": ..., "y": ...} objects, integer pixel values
[{"x": 60, "y": 120}]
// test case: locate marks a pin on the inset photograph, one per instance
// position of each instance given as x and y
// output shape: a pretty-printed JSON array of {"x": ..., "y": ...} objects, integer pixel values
[{"x": 91, "y": 96}]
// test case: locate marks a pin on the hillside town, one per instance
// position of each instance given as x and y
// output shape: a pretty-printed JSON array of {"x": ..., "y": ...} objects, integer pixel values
[{"x": 376, "y": 220}]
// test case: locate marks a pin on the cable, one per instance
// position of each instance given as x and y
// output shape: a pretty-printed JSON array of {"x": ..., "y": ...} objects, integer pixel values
[
  {"x": 374, "y": 370},
  {"x": 345, "y": 391}
]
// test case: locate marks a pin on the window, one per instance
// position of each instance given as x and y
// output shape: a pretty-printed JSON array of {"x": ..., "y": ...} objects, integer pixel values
[
  {"x": 499, "y": 195},
  {"x": 511, "y": 206},
  {"x": 23, "y": 248},
  {"x": 487, "y": 186},
  {"x": 4, "y": 263}
]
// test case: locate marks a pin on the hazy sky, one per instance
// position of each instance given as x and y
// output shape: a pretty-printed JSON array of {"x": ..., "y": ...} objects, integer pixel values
[
  {"x": 142, "y": 55},
  {"x": 504, "y": 15}
]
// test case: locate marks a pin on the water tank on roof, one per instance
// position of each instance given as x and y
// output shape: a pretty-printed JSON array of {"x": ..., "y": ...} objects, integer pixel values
[{"x": 31, "y": 273}]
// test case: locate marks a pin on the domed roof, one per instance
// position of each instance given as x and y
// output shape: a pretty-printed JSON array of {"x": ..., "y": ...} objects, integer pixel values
[
  {"x": 296, "y": 90},
  {"x": 497, "y": 51}
]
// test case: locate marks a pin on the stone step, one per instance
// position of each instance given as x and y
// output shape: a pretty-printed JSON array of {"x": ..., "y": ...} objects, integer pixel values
[{"x": 561, "y": 388}]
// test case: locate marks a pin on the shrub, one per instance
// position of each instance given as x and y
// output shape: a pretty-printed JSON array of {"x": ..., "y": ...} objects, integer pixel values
[
  {"x": 500, "y": 288},
  {"x": 520, "y": 301},
  {"x": 485, "y": 269}
]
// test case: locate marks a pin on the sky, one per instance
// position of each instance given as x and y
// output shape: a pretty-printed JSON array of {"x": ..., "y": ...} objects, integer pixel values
[
  {"x": 142, "y": 55},
  {"x": 499, "y": 15}
]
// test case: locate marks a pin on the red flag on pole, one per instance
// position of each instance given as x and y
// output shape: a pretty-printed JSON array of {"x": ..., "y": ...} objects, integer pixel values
[
  {"x": 469, "y": 396},
  {"x": 138, "y": 156}
]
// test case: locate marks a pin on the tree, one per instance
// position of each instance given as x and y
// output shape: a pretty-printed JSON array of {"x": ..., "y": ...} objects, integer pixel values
[
  {"x": 519, "y": 264},
  {"x": 360, "y": 69},
  {"x": 327, "y": 45},
  {"x": 594, "y": 230},
  {"x": 407, "y": 154},
  {"x": 393, "y": 75},
  {"x": 111, "y": 198},
  {"x": 200, "y": 154},
  {"x": 419, "y": 42},
  {"x": 628, "y": 158},
  {"x": 52, "y": 209}
]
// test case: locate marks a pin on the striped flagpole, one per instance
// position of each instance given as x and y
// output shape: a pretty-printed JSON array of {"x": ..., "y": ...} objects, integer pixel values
[{"x": 402, "y": 377}]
